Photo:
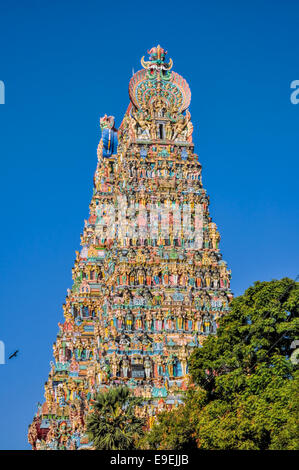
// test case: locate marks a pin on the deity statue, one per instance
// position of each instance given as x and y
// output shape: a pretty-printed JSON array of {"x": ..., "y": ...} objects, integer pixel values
[
  {"x": 168, "y": 129},
  {"x": 125, "y": 366},
  {"x": 170, "y": 368},
  {"x": 147, "y": 367},
  {"x": 114, "y": 364},
  {"x": 148, "y": 321},
  {"x": 159, "y": 366},
  {"x": 129, "y": 321},
  {"x": 183, "y": 356}
]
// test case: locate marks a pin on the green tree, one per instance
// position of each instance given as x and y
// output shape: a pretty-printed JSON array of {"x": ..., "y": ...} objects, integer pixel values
[
  {"x": 246, "y": 394},
  {"x": 113, "y": 424}
]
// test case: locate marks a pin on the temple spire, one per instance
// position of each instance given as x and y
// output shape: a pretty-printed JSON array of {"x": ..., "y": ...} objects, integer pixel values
[{"x": 149, "y": 282}]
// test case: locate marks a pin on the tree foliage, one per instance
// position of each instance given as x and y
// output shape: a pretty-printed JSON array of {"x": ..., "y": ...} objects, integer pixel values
[
  {"x": 246, "y": 386},
  {"x": 113, "y": 424}
]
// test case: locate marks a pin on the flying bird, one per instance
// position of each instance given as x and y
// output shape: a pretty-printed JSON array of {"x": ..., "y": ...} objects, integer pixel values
[{"x": 14, "y": 354}]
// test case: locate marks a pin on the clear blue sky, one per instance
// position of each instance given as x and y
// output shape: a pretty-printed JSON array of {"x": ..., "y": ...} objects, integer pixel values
[{"x": 65, "y": 64}]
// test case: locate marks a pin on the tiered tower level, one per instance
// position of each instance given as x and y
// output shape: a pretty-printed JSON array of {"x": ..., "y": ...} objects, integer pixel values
[{"x": 149, "y": 282}]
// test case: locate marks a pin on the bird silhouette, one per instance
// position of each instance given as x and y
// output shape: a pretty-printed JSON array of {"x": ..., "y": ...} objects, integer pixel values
[{"x": 14, "y": 354}]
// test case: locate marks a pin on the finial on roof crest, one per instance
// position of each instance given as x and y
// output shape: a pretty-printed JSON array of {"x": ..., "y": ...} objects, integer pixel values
[{"x": 157, "y": 59}]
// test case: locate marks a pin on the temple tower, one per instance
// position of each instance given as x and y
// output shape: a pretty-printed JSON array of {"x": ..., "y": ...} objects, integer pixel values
[{"x": 149, "y": 281}]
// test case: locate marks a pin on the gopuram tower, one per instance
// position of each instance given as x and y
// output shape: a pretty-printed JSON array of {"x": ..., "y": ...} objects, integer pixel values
[{"x": 149, "y": 283}]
